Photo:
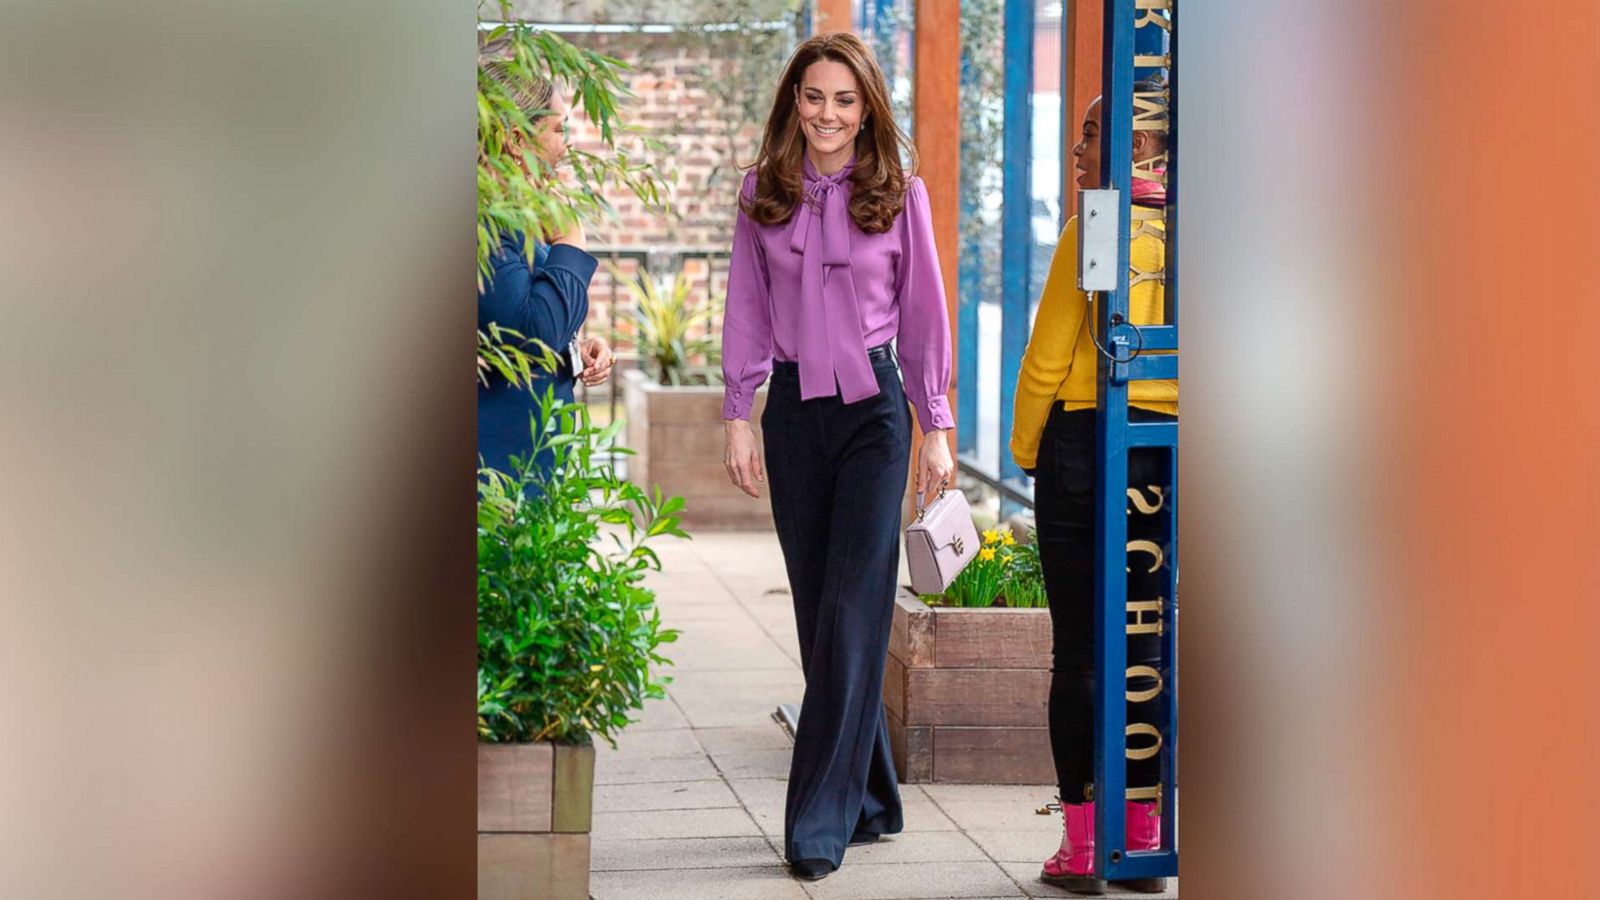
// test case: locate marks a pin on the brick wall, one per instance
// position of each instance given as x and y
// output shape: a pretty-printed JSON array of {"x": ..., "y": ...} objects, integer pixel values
[
  {"x": 706, "y": 148},
  {"x": 705, "y": 144}
]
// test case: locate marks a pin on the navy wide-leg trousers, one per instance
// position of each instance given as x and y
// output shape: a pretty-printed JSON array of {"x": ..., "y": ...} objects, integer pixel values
[{"x": 837, "y": 476}]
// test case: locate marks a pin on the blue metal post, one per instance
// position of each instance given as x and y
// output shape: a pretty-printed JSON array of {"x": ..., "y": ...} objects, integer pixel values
[
  {"x": 1171, "y": 285},
  {"x": 1114, "y": 438},
  {"x": 1111, "y": 417},
  {"x": 969, "y": 284},
  {"x": 1169, "y": 643},
  {"x": 1148, "y": 41},
  {"x": 1016, "y": 216}
]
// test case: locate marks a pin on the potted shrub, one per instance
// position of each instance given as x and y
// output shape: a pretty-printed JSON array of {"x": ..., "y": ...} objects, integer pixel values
[
  {"x": 968, "y": 676},
  {"x": 674, "y": 405},
  {"x": 567, "y": 638},
  {"x": 567, "y": 634}
]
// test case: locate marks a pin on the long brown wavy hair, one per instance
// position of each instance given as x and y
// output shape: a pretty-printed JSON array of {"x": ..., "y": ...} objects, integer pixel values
[{"x": 878, "y": 182}]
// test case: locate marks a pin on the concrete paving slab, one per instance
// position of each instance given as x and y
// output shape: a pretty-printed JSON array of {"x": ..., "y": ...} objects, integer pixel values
[
  {"x": 747, "y": 737},
  {"x": 681, "y": 853},
  {"x": 1032, "y": 846},
  {"x": 909, "y": 847},
  {"x": 674, "y": 823},
  {"x": 664, "y": 795},
  {"x": 636, "y": 744},
  {"x": 764, "y": 798},
  {"x": 726, "y": 644},
  {"x": 657, "y": 715},
  {"x": 728, "y": 698},
  {"x": 753, "y": 763},
  {"x": 996, "y": 807},
  {"x": 765, "y": 883},
  {"x": 623, "y": 769},
  {"x": 914, "y": 881}
]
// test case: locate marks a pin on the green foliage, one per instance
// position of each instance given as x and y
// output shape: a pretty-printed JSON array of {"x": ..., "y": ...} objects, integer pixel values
[
  {"x": 1024, "y": 588},
  {"x": 540, "y": 202},
  {"x": 751, "y": 40},
  {"x": 567, "y": 632},
  {"x": 982, "y": 140},
  {"x": 885, "y": 36},
  {"x": 671, "y": 329},
  {"x": 507, "y": 353},
  {"x": 1005, "y": 573}
]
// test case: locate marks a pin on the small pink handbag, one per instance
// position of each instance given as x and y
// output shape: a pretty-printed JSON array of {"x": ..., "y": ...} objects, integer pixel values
[{"x": 941, "y": 542}]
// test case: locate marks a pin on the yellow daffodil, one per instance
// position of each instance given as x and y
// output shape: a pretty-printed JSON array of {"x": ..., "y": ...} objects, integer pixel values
[
  {"x": 1006, "y": 559},
  {"x": 990, "y": 536},
  {"x": 986, "y": 554},
  {"x": 1007, "y": 539}
]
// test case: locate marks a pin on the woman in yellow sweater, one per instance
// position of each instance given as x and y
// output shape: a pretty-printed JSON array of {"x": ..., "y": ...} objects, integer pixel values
[{"x": 1053, "y": 439}]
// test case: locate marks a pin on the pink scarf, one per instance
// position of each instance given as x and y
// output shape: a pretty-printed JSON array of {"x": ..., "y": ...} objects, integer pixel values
[{"x": 1149, "y": 193}]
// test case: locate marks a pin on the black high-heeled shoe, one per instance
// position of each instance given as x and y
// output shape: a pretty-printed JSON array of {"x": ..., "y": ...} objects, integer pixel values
[{"x": 811, "y": 869}]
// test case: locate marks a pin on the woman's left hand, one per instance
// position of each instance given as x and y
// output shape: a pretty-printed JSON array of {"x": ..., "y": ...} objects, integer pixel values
[
  {"x": 934, "y": 467},
  {"x": 597, "y": 360}
]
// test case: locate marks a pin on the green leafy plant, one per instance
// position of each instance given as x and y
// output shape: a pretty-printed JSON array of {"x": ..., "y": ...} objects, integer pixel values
[
  {"x": 1024, "y": 587},
  {"x": 567, "y": 632},
  {"x": 891, "y": 24},
  {"x": 507, "y": 353},
  {"x": 539, "y": 202},
  {"x": 982, "y": 148},
  {"x": 1005, "y": 573},
  {"x": 750, "y": 41},
  {"x": 671, "y": 330}
]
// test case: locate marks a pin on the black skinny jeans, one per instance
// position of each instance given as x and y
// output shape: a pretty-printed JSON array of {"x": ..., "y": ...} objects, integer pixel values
[{"x": 1064, "y": 510}]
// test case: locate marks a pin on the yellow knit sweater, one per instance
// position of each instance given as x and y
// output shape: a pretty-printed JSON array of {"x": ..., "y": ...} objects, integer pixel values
[{"x": 1059, "y": 365}]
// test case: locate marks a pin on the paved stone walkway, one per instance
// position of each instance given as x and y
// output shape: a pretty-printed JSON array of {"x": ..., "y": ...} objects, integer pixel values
[{"x": 690, "y": 804}]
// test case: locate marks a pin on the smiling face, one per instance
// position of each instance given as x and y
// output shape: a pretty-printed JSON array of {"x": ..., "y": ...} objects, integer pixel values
[
  {"x": 551, "y": 143},
  {"x": 1086, "y": 153},
  {"x": 830, "y": 106}
]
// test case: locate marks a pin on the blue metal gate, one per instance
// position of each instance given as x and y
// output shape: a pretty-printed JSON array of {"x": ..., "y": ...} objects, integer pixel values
[{"x": 1139, "y": 34}]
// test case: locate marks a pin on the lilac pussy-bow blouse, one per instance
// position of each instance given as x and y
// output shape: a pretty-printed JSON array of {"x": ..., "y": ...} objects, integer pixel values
[{"x": 818, "y": 290}]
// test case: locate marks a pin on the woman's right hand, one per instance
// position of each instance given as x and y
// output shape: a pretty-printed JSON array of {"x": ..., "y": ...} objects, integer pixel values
[
  {"x": 742, "y": 458},
  {"x": 575, "y": 236}
]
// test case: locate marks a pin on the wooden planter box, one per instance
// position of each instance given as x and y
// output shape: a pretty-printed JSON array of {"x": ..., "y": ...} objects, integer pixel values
[
  {"x": 966, "y": 692},
  {"x": 534, "y": 811},
  {"x": 677, "y": 433}
]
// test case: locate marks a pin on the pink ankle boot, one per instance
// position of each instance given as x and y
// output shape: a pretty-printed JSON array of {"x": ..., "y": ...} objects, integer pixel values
[
  {"x": 1073, "y": 865},
  {"x": 1143, "y": 832}
]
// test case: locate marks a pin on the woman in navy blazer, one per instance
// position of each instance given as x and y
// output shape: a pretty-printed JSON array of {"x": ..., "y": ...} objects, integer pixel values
[{"x": 548, "y": 302}]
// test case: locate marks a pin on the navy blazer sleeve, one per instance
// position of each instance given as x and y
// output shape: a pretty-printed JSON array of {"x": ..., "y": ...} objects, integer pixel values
[{"x": 549, "y": 303}]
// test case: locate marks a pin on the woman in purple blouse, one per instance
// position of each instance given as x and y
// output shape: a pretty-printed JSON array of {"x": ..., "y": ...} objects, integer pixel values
[{"x": 834, "y": 274}]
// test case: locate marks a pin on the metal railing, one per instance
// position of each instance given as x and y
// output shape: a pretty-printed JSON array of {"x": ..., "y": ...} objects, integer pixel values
[
  {"x": 1011, "y": 493},
  {"x": 613, "y": 318}
]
